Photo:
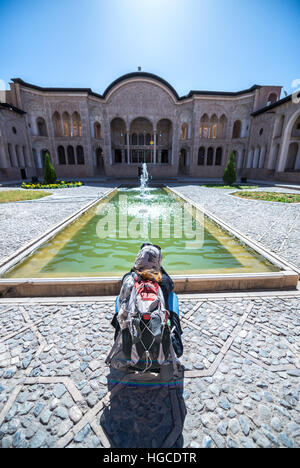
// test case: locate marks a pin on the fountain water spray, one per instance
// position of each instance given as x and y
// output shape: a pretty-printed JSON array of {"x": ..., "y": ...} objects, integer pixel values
[
  {"x": 144, "y": 179},
  {"x": 143, "y": 185}
]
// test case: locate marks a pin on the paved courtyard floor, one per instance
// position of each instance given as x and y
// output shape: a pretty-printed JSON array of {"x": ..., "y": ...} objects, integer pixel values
[{"x": 240, "y": 385}]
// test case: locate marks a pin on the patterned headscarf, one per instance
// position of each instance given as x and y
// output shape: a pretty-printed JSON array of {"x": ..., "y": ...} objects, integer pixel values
[{"x": 148, "y": 258}]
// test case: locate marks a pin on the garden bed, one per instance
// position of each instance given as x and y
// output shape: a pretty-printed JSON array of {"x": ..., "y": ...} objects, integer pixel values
[
  {"x": 222, "y": 186},
  {"x": 57, "y": 185},
  {"x": 20, "y": 195},
  {"x": 270, "y": 196}
]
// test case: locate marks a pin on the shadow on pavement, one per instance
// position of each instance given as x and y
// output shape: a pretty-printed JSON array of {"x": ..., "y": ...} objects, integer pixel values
[{"x": 144, "y": 411}]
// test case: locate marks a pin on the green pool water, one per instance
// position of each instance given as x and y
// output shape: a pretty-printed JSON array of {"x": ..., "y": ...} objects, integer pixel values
[{"x": 105, "y": 240}]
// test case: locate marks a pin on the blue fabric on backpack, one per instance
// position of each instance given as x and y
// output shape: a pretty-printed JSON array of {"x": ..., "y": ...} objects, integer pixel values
[{"x": 173, "y": 303}]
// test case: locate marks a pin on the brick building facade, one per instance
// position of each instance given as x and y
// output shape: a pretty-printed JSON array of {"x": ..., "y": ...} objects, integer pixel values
[{"x": 141, "y": 118}]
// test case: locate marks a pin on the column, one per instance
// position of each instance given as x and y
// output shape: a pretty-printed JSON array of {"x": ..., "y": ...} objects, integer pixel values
[
  {"x": 244, "y": 128},
  {"x": 262, "y": 158},
  {"x": 128, "y": 147},
  {"x": 3, "y": 163},
  {"x": 250, "y": 159},
  {"x": 154, "y": 155},
  {"x": 297, "y": 162},
  {"x": 256, "y": 158}
]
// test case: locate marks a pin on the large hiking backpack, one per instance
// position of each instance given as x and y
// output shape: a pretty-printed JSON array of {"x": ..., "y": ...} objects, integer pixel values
[{"x": 145, "y": 344}]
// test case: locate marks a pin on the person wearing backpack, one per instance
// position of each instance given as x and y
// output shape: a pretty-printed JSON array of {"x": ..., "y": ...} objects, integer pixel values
[{"x": 147, "y": 324}]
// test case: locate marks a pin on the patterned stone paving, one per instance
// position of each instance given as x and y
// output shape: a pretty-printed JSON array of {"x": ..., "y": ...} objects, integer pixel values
[
  {"x": 240, "y": 387},
  {"x": 274, "y": 225},
  {"x": 43, "y": 214}
]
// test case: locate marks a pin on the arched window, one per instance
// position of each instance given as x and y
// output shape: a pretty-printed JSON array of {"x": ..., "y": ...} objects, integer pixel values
[
  {"x": 118, "y": 132},
  {"x": 184, "y": 131},
  {"x": 272, "y": 98},
  {"x": 97, "y": 131},
  {"x": 141, "y": 139},
  {"x": 99, "y": 157},
  {"x": 296, "y": 129},
  {"x": 134, "y": 139},
  {"x": 77, "y": 126},
  {"x": 66, "y": 124},
  {"x": 71, "y": 155},
  {"x": 164, "y": 133},
  {"x": 292, "y": 157},
  {"x": 57, "y": 124},
  {"x": 80, "y": 155},
  {"x": 41, "y": 126},
  {"x": 99, "y": 161},
  {"x": 204, "y": 126},
  {"x": 118, "y": 156},
  {"x": 236, "y": 132},
  {"x": 219, "y": 155},
  {"x": 213, "y": 126},
  {"x": 148, "y": 139},
  {"x": 61, "y": 155},
  {"x": 222, "y": 127},
  {"x": 201, "y": 156},
  {"x": 164, "y": 157},
  {"x": 210, "y": 156}
]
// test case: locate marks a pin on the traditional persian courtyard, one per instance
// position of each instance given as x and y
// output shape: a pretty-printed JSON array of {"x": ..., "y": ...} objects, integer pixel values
[{"x": 240, "y": 386}]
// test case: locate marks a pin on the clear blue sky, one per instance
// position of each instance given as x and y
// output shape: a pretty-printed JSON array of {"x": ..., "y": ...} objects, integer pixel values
[{"x": 221, "y": 45}]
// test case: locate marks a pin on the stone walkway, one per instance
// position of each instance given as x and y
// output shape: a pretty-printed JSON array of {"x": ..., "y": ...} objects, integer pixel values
[
  {"x": 23, "y": 221},
  {"x": 275, "y": 225},
  {"x": 241, "y": 352},
  {"x": 240, "y": 387}
]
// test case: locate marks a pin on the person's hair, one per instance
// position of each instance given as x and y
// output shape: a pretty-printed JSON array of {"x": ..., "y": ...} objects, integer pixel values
[{"x": 150, "y": 274}]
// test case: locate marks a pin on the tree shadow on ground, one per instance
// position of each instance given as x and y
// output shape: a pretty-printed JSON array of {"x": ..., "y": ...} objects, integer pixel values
[{"x": 144, "y": 411}]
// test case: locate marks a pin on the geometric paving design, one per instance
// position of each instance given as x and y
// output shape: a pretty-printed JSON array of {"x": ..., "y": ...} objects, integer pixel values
[{"x": 240, "y": 386}]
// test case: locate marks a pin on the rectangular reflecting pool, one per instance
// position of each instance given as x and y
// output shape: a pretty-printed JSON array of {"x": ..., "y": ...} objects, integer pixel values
[{"x": 104, "y": 241}]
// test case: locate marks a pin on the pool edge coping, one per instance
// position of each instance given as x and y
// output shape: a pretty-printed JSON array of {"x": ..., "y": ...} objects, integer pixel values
[
  {"x": 18, "y": 255},
  {"x": 286, "y": 279},
  {"x": 274, "y": 258}
]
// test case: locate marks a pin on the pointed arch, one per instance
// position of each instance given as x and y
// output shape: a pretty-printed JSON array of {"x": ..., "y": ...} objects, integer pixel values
[
  {"x": 66, "y": 124},
  {"x": 97, "y": 130},
  {"x": 80, "y": 155},
  {"x": 41, "y": 126},
  {"x": 61, "y": 155},
  {"x": 76, "y": 125},
  {"x": 57, "y": 126},
  {"x": 237, "y": 127},
  {"x": 204, "y": 126}
]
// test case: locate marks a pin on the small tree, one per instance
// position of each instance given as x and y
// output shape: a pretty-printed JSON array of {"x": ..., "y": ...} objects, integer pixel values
[
  {"x": 49, "y": 171},
  {"x": 229, "y": 176}
]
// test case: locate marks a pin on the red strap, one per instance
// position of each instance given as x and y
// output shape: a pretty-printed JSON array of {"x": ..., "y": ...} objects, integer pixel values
[{"x": 147, "y": 290}]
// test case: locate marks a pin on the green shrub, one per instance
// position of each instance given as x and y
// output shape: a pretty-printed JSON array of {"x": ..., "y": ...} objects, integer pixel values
[
  {"x": 49, "y": 171},
  {"x": 229, "y": 176}
]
